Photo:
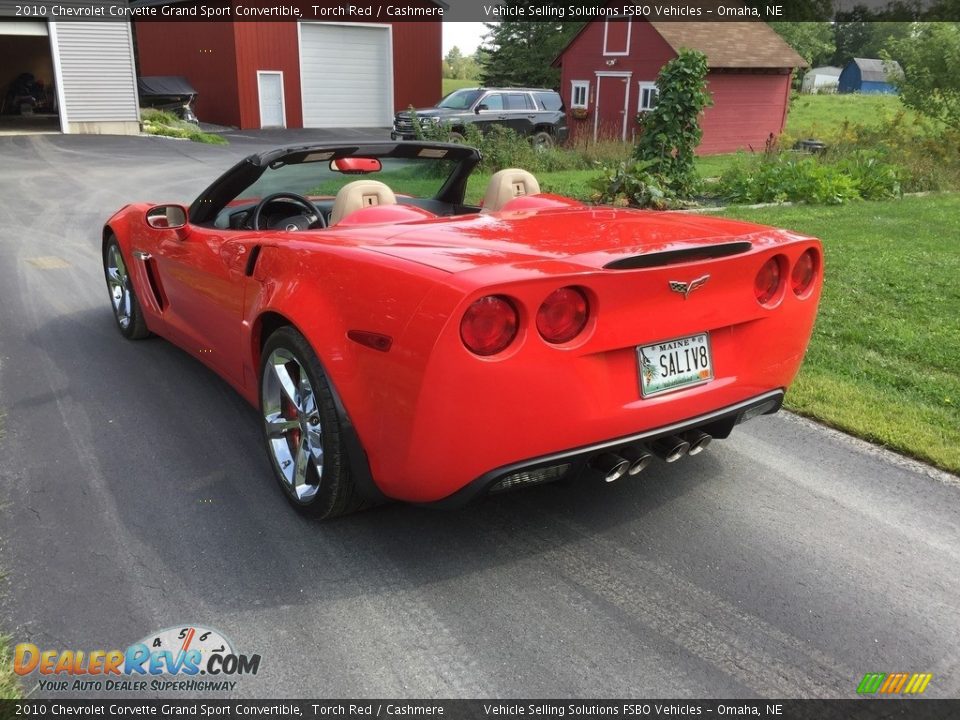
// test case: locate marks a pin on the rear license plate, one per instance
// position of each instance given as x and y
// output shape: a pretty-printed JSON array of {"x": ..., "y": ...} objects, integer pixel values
[{"x": 674, "y": 364}]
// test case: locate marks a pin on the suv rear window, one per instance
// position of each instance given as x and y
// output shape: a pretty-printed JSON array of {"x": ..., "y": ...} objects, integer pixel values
[{"x": 549, "y": 100}]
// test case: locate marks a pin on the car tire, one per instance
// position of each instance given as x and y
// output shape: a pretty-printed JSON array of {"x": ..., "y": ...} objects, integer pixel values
[
  {"x": 541, "y": 141},
  {"x": 456, "y": 137},
  {"x": 301, "y": 429},
  {"x": 123, "y": 299}
]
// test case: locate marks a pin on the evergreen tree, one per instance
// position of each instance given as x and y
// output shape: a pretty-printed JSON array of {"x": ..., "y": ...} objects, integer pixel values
[{"x": 519, "y": 52}]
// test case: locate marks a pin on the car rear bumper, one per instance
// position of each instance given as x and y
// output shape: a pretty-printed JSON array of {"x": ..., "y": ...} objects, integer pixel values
[{"x": 573, "y": 462}]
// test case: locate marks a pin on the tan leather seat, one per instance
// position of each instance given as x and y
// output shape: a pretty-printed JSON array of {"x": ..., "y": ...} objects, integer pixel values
[
  {"x": 506, "y": 185},
  {"x": 360, "y": 194}
]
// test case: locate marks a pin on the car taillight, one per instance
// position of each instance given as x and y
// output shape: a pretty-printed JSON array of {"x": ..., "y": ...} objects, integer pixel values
[
  {"x": 489, "y": 325},
  {"x": 563, "y": 315},
  {"x": 767, "y": 283},
  {"x": 804, "y": 272}
]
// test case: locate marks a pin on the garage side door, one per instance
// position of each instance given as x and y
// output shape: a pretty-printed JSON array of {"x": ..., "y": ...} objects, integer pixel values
[{"x": 346, "y": 76}]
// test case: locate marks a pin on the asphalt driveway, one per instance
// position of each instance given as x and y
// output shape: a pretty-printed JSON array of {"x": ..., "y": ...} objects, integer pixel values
[{"x": 786, "y": 561}]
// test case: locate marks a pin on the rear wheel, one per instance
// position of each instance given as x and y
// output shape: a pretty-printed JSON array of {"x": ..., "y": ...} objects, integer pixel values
[
  {"x": 456, "y": 137},
  {"x": 126, "y": 307},
  {"x": 302, "y": 429},
  {"x": 541, "y": 141}
]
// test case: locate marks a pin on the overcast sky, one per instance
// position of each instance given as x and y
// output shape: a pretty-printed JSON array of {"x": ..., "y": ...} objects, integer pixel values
[{"x": 465, "y": 35}]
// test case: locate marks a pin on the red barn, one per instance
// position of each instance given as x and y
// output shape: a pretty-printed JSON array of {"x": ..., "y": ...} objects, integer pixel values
[
  {"x": 252, "y": 74},
  {"x": 608, "y": 71}
]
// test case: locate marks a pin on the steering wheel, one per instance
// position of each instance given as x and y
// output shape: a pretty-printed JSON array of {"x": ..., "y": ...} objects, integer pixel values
[{"x": 313, "y": 215}]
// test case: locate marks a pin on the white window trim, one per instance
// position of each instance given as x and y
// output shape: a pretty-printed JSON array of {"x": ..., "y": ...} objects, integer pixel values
[
  {"x": 606, "y": 53},
  {"x": 641, "y": 86},
  {"x": 283, "y": 99},
  {"x": 574, "y": 86}
]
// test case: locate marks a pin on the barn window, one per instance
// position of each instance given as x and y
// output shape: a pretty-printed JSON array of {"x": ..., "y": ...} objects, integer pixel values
[
  {"x": 647, "y": 99},
  {"x": 581, "y": 93}
]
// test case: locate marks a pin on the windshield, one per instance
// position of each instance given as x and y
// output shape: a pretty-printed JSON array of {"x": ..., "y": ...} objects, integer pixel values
[
  {"x": 459, "y": 99},
  {"x": 416, "y": 177}
]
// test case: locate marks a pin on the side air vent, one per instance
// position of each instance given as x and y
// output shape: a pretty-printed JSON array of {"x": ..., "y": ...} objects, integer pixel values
[
  {"x": 674, "y": 257},
  {"x": 252, "y": 260}
]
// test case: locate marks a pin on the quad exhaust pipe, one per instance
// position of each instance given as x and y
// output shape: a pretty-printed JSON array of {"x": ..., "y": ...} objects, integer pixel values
[
  {"x": 670, "y": 448},
  {"x": 613, "y": 467},
  {"x": 632, "y": 459},
  {"x": 639, "y": 458},
  {"x": 698, "y": 441}
]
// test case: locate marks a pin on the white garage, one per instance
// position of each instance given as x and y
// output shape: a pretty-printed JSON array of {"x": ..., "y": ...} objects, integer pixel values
[
  {"x": 346, "y": 75},
  {"x": 77, "y": 74}
]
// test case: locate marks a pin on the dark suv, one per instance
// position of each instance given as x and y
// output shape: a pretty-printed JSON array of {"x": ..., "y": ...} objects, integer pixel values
[{"x": 533, "y": 112}]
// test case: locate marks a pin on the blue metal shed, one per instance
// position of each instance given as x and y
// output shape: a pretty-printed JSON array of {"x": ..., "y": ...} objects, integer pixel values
[{"x": 866, "y": 75}]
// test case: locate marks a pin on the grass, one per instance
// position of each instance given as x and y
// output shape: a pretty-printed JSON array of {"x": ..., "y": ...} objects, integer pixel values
[
  {"x": 823, "y": 116},
  {"x": 884, "y": 361},
  {"x": 9, "y": 684},
  {"x": 161, "y": 122},
  {"x": 450, "y": 84}
]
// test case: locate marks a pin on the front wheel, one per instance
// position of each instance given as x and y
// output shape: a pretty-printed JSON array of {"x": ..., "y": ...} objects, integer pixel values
[
  {"x": 541, "y": 141},
  {"x": 456, "y": 137},
  {"x": 302, "y": 429},
  {"x": 126, "y": 308}
]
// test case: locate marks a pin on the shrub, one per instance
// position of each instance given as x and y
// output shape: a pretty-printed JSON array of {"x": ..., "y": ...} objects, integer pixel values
[
  {"x": 789, "y": 177},
  {"x": 631, "y": 183},
  {"x": 162, "y": 122},
  {"x": 670, "y": 133}
]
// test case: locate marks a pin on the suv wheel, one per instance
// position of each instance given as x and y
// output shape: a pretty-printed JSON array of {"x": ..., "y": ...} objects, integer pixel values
[{"x": 541, "y": 141}]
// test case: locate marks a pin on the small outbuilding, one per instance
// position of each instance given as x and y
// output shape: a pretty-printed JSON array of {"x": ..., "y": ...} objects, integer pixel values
[
  {"x": 72, "y": 72},
  {"x": 870, "y": 76},
  {"x": 821, "y": 80},
  {"x": 609, "y": 69}
]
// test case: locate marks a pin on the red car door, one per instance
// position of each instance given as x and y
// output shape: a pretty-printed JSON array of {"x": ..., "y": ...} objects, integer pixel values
[{"x": 201, "y": 273}]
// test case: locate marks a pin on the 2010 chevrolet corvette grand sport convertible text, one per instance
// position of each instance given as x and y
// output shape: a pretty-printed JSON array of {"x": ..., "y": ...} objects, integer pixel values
[{"x": 400, "y": 343}]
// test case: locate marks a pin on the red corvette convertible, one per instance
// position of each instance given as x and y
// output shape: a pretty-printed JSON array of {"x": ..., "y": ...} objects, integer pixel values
[{"x": 402, "y": 343}]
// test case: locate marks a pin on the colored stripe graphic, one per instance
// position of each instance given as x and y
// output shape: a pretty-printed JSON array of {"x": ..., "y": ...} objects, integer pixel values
[
  {"x": 871, "y": 683},
  {"x": 894, "y": 683}
]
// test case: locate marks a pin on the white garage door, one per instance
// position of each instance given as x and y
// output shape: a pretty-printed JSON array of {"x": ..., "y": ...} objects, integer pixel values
[{"x": 346, "y": 76}]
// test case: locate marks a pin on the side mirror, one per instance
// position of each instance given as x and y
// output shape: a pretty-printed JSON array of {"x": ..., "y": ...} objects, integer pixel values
[
  {"x": 167, "y": 217},
  {"x": 481, "y": 106}
]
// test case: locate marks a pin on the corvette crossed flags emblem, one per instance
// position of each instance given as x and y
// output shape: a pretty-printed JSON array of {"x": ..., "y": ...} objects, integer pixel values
[{"x": 686, "y": 288}]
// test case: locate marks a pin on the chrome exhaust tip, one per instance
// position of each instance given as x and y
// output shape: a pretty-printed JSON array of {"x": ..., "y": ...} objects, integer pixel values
[
  {"x": 639, "y": 459},
  {"x": 613, "y": 467},
  {"x": 698, "y": 441},
  {"x": 670, "y": 448}
]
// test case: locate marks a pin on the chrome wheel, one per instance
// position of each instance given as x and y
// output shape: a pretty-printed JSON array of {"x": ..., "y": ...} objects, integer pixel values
[
  {"x": 119, "y": 282},
  {"x": 292, "y": 421}
]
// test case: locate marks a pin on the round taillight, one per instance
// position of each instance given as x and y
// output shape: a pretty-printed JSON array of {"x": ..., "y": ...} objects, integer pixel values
[
  {"x": 489, "y": 325},
  {"x": 804, "y": 272},
  {"x": 767, "y": 284},
  {"x": 563, "y": 315}
]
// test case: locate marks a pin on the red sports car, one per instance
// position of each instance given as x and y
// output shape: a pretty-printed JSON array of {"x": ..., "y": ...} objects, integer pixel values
[{"x": 402, "y": 343}]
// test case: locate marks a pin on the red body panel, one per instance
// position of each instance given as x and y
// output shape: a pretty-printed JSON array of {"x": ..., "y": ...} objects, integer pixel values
[
  {"x": 748, "y": 105},
  {"x": 430, "y": 415}
]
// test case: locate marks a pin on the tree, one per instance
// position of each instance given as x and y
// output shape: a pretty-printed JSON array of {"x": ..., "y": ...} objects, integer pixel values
[
  {"x": 670, "y": 133},
  {"x": 519, "y": 53},
  {"x": 931, "y": 65},
  {"x": 813, "y": 41},
  {"x": 459, "y": 66}
]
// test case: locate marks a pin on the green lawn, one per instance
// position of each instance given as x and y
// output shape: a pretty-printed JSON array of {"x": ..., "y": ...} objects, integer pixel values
[
  {"x": 449, "y": 85},
  {"x": 884, "y": 361},
  {"x": 823, "y": 116}
]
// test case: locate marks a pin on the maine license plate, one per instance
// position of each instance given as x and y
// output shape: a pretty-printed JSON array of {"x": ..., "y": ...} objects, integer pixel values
[{"x": 674, "y": 364}]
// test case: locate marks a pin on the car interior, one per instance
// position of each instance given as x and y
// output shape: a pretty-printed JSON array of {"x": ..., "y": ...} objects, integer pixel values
[{"x": 368, "y": 201}]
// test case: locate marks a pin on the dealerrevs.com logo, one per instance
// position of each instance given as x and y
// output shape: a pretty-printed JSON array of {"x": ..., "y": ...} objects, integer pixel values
[{"x": 169, "y": 660}]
